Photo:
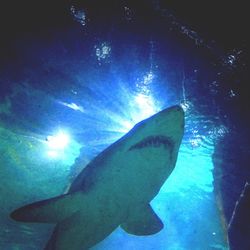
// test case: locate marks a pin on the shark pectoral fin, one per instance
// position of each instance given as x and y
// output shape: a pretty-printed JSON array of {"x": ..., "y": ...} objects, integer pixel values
[
  {"x": 49, "y": 211},
  {"x": 143, "y": 221}
]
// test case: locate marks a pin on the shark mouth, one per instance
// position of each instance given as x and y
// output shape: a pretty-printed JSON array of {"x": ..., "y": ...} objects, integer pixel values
[{"x": 153, "y": 141}]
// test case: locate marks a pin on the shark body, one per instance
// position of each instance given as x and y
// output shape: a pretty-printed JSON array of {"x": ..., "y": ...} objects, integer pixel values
[{"x": 115, "y": 188}]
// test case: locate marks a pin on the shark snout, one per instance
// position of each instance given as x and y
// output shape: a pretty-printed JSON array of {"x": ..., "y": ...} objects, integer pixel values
[
  {"x": 174, "y": 116},
  {"x": 177, "y": 108},
  {"x": 170, "y": 122},
  {"x": 164, "y": 128},
  {"x": 178, "y": 112}
]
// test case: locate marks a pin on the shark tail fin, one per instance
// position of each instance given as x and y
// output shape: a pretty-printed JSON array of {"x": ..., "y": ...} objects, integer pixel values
[{"x": 48, "y": 211}]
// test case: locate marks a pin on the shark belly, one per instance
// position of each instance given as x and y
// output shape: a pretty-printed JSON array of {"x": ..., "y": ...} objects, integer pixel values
[{"x": 141, "y": 182}]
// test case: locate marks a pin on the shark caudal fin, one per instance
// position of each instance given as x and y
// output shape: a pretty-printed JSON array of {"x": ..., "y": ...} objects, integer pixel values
[{"x": 49, "y": 211}]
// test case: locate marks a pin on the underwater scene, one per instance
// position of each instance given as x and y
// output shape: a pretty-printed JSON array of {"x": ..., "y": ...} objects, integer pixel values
[{"x": 124, "y": 125}]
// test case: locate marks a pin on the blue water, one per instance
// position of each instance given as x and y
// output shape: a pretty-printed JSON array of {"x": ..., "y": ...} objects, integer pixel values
[{"x": 72, "y": 95}]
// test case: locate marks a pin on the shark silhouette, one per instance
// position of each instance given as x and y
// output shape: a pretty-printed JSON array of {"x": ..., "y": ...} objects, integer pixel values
[{"x": 115, "y": 188}]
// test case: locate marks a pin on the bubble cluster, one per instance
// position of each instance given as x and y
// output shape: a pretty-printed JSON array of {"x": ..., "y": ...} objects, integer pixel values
[
  {"x": 79, "y": 15},
  {"x": 102, "y": 51}
]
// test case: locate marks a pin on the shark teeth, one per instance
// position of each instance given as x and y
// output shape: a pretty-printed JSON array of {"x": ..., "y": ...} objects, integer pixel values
[{"x": 153, "y": 141}]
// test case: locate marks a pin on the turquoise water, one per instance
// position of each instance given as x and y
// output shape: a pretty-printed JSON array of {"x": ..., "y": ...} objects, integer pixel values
[{"x": 70, "y": 92}]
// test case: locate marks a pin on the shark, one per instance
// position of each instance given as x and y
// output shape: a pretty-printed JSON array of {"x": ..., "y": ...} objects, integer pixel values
[{"x": 115, "y": 188}]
